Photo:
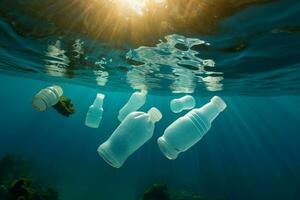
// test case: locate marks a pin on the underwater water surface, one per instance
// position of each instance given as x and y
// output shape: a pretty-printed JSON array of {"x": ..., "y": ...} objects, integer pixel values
[{"x": 246, "y": 52}]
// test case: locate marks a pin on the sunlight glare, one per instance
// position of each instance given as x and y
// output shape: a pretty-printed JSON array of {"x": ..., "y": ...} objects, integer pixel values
[{"x": 137, "y": 6}]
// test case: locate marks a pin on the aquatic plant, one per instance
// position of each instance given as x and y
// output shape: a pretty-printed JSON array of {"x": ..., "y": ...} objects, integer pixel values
[
  {"x": 160, "y": 191},
  {"x": 65, "y": 106},
  {"x": 25, "y": 190},
  {"x": 20, "y": 189},
  {"x": 15, "y": 184},
  {"x": 12, "y": 167},
  {"x": 157, "y": 192}
]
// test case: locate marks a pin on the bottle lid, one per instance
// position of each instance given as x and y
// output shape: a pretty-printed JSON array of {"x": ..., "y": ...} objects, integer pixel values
[
  {"x": 100, "y": 96},
  {"x": 99, "y": 100},
  {"x": 155, "y": 114},
  {"x": 219, "y": 103}
]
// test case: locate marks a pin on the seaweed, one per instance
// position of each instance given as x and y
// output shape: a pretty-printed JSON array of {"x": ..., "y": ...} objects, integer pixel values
[
  {"x": 25, "y": 190},
  {"x": 15, "y": 183},
  {"x": 65, "y": 106},
  {"x": 161, "y": 192},
  {"x": 20, "y": 189},
  {"x": 12, "y": 167},
  {"x": 157, "y": 192}
]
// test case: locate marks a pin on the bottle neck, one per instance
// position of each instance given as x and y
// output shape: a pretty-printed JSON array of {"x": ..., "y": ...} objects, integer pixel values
[
  {"x": 99, "y": 100},
  {"x": 154, "y": 114},
  {"x": 138, "y": 95},
  {"x": 98, "y": 103},
  {"x": 209, "y": 110}
]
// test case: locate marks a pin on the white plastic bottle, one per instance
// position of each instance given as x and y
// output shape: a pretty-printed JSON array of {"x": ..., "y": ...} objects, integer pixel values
[
  {"x": 184, "y": 103},
  {"x": 136, "y": 101},
  {"x": 94, "y": 114},
  {"x": 136, "y": 129},
  {"x": 189, "y": 129},
  {"x": 47, "y": 97}
]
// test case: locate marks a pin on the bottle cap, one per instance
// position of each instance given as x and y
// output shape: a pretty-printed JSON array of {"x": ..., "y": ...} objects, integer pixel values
[
  {"x": 99, "y": 100},
  {"x": 155, "y": 114},
  {"x": 219, "y": 103},
  {"x": 100, "y": 96}
]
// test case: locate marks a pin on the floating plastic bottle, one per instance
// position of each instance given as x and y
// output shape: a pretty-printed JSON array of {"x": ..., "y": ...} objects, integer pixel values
[
  {"x": 47, "y": 97},
  {"x": 136, "y": 101},
  {"x": 136, "y": 129},
  {"x": 184, "y": 103},
  {"x": 189, "y": 129},
  {"x": 94, "y": 114}
]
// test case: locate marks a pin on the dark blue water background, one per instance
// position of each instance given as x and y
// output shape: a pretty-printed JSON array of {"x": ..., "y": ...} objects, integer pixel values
[{"x": 251, "y": 151}]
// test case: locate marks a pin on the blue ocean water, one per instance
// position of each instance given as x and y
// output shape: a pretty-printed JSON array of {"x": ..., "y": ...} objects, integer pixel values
[{"x": 252, "y": 61}]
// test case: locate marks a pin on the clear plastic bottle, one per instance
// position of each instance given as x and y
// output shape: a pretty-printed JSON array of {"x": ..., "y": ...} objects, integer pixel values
[
  {"x": 136, "y": 129},
  {"x": 189, "y": 129},
  {"x": 47, "y": 97},
  {"x": 184, "y": 103},
  {"x": 136, "y": 101},
  {"x": 94, "y": 114}
]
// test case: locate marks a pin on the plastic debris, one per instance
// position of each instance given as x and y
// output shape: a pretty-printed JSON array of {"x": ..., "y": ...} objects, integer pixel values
[
  {"x": 47, "y": 97},
  {"x": 136, "y": 129},
  {"x": 136, "y": 101},
  {"x": 189, "y": 129},
  {"x": 94, "y": 114},
  {"x": 184, "y": 103}
]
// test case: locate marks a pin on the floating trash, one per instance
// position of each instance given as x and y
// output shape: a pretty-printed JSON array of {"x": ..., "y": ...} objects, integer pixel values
[
  {"x": 47, "y": 97},
  {"x": 189, "y": 129},
  {"x": 94, "y": 114},
  {"x": 136, "y": 101},
  {"x": 136, "y": 129},
  {"x": 184, "y": 103}
]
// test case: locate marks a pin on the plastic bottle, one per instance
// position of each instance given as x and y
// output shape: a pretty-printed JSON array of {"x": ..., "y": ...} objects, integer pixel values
[
  {"x": 184, "y": 103},
  {"x": 189, "y": 129},
  {"x": 47, "y": 97},
  {"x": 136, "y": 101},
  {"x": 136, "y": 129},
  {"x": 94, "y": 114}
]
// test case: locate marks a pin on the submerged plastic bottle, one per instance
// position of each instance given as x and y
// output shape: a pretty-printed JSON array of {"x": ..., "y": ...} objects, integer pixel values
[
  {"x": 47, "y": 97},
  {"x": 189, "y": 129},
  {"x": 94, "y": 114},
  {"x": 136, "y": 129},
  {"x": 136, "y": 101},
  {"x": 184, "y": 103}
]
